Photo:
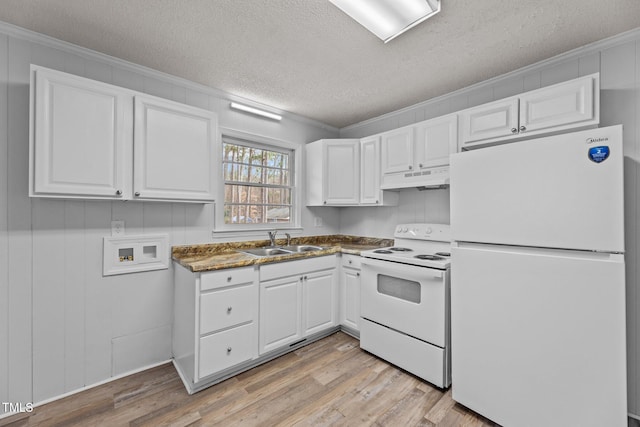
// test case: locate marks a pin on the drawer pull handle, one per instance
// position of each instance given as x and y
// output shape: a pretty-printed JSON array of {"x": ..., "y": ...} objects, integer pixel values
[
  {"x": 229, "y": 279},
  {"x": 229, "y": 309},
  {"x": 228, "y": 349}
]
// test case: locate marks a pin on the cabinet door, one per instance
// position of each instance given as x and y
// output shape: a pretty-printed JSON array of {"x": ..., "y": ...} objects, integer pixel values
[
  {"x": 318, "y": 296},
  {"x": 370, "y": 170},
  {"x": 78, "y": 136},
  {"x": 342, "y": 172},
  {"x": 492, "y": 120},
  {"x": 175, "y": 154},
  {"x": 280, "y": 312},
  {"x": 558, "y": 105},
  {"x": 435, "y": 140},
  {"x": 350, "y": 298},
  {"x": 397, "y": 150}
]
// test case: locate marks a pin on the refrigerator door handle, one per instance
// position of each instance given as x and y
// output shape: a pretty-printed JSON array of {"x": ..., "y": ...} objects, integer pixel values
[{"x": 528, "y": 250}]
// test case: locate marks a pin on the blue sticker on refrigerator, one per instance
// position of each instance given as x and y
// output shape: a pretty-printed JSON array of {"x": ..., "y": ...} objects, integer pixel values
[{"x": 599, "y": 154}]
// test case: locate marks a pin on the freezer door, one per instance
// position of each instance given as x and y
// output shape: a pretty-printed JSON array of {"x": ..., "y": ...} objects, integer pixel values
[
  {"x": 544, "y": 192},
  {"x": 538, "y": 338}
]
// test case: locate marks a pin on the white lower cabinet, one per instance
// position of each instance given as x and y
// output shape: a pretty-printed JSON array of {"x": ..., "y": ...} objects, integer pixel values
[
  {"x": 280, "y": 311},
  {"x": 350, "y": 294},
  {"x": 297, "y": 299},
  {"x": 215, "y": 323},
  {"x": 319, "y": 298},
  {"x": 231, "y": 320}
]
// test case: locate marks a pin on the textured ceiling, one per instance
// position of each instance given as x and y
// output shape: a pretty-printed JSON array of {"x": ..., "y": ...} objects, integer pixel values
[{"x": 308, "y": 57}]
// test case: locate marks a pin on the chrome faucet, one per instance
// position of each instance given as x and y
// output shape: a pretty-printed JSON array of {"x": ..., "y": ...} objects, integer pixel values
[
  {"x": 288, "y": 238},
  {"x": 272, "y": 237}
]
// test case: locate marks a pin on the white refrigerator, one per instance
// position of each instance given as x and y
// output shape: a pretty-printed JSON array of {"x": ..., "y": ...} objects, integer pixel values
[{"x": 538, "y": 281}]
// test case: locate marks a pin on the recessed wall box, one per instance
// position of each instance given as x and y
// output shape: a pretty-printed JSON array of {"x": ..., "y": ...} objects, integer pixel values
[{"x": 132, "y": 254}]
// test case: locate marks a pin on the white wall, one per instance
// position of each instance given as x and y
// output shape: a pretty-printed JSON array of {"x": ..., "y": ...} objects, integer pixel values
[
  {"x": 62, "y": 325},
  {"x": 618, "y": 61}
]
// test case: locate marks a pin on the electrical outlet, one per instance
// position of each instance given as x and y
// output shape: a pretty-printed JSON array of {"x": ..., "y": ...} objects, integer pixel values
[
  {"x": 117, "y": 228},
  {"x": 317, "y": 221}
]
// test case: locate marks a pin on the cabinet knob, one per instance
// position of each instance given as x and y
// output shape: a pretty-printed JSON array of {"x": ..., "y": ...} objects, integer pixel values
[
  {"x": 137, "y": 194},
  {"x": 325, "y": 202},
  {"x": 410, "y": 167},
  {"x": 228, "y": 349},
  {"x": 229, "y": 279},
  {"x": 229, "y": 309},
  {"x": 305, "y": 277},
  {"x": 377, "y": 202},
  {"x": 357, "y": 274},
  {"x": 350, "y": 261},
  {"x": 514, "y": 130},
  {"x": 118, "y": 192},
  {"x": 522, "y": 128},
  {"x": 420, "y": 165}
]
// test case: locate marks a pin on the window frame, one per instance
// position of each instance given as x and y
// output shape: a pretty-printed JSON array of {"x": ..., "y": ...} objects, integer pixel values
[{"x": 267, "y": 143}]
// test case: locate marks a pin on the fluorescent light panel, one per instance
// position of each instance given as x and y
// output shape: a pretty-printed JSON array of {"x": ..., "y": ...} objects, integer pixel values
[
  {"x": 255, "y": 111},
  {"x": 387, "y": 19}
]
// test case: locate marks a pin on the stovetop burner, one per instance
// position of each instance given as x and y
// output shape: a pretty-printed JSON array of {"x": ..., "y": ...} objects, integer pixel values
[
  {"x": 383, "y": 251},
  {"x": 429, "y": 257},
  {"x": 399, "y": 249},
  {"x": 444, "y": 254}
]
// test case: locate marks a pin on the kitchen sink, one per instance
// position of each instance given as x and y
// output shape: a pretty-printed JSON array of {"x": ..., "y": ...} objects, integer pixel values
[
  {"x": 282, "y": 250},
  {"x": 302, "y": 248},
  {"x": 267, "y": 251}
]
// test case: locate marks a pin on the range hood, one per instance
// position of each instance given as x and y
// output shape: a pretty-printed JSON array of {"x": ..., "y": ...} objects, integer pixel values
[{"x": 425, "y": 179}]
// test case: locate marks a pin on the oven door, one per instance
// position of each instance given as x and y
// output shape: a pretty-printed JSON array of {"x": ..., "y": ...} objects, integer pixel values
[{"x": 407, "y": 298}]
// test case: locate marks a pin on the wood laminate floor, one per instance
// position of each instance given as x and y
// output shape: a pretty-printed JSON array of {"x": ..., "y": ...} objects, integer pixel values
[{"x": 328, "y": 383}]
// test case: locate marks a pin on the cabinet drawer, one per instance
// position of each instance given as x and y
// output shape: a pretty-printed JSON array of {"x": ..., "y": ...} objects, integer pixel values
[
  {"x": 225, "y": 349},
  {"x": 227, "y": 307},
  {"x": 223, "y": 278},
  {"x": 351, "y": 261}
]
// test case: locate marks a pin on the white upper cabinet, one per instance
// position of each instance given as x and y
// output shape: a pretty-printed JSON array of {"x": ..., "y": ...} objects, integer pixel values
[
  {"x": 418, "y": 155},
  {"x": 488, "y": 121},
  {"x": 174, "y": 151},
  {"x": 345, "y": 172},
  {"x": 371, "y": 175},
  {"x": 333, "y": 172},
  {"x": 560, "y": 107},
  {"x": 397, "y": 150},
  {"x": 436, "y": 140},
  {"x": 84, "y": 143},
  {"x": 79, "y": 138}
]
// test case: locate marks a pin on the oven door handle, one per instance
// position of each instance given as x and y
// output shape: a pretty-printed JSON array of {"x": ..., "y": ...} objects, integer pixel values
[{"x": 401, "y": 268}]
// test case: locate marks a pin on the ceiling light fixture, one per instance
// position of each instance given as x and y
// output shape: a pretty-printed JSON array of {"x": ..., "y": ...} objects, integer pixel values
[
  {"x": 255, "y": 111},
  {"x": 387, "y": 19}
]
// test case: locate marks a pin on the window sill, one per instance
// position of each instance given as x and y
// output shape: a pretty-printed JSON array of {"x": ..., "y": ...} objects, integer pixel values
[{"x": 260, "y": 233}]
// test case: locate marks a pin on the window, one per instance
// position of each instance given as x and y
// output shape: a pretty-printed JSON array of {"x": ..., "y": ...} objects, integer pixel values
[{"x": 258, "y": 183}]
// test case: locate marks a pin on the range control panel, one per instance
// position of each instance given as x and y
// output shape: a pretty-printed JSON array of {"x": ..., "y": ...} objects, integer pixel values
[{"x": 424, "y": 231}]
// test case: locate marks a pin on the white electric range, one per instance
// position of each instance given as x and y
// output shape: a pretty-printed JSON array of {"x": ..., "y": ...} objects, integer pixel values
[{"x": 405, "y": 301}]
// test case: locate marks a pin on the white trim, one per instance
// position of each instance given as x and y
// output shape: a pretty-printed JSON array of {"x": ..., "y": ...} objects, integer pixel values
[
  {"x": 222, "y": 229},
  {"x": 587, "y": 49},
  {"x": 34, "y": 37},
  {"x": 88, "y": 387}
]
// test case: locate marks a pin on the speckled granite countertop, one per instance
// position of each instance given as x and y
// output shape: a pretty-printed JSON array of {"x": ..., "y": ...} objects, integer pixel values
[{"x": 218, "y": 256}]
